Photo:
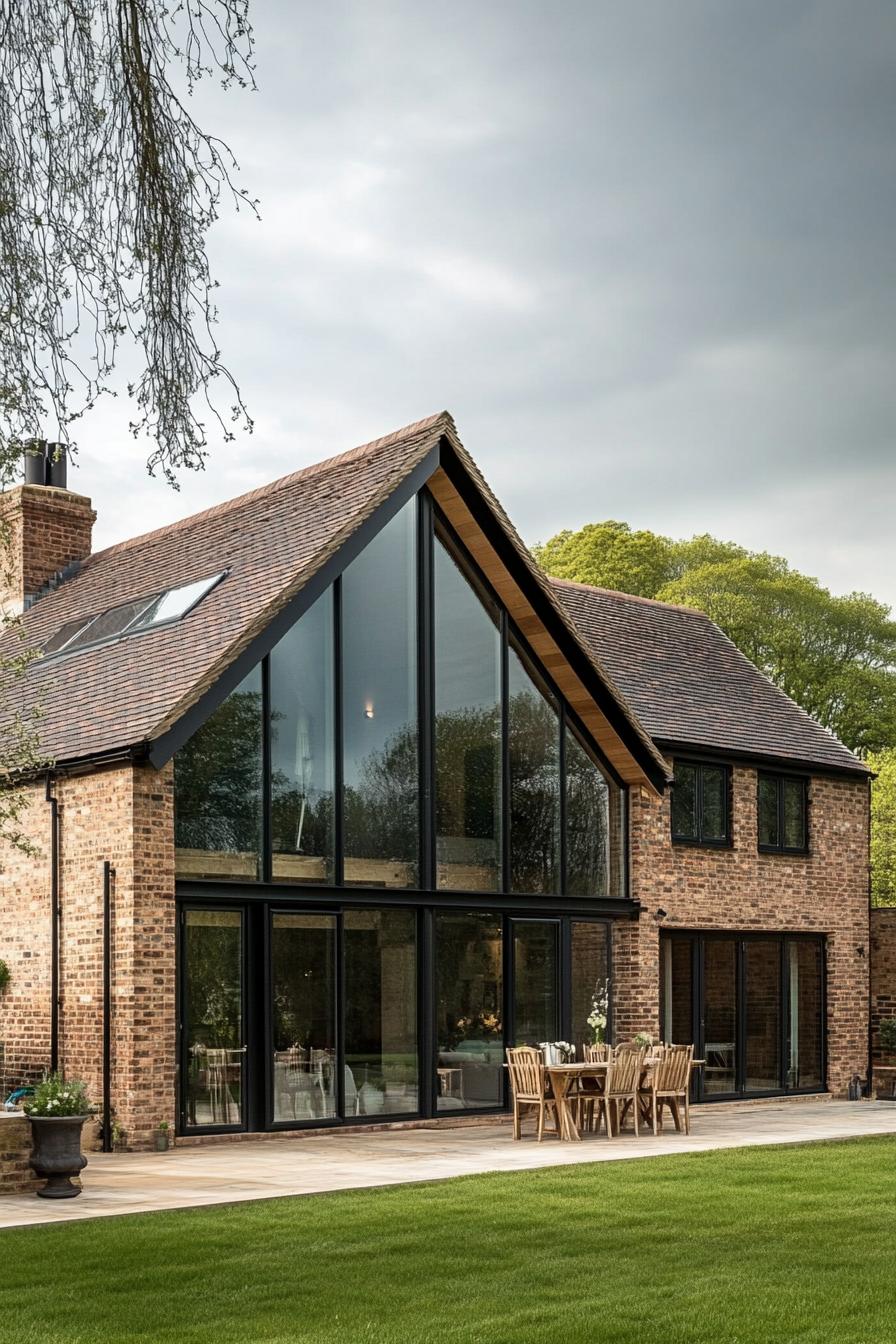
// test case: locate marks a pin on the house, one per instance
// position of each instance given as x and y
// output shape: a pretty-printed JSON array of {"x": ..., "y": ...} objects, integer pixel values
[{"x": 346, "y": 796}]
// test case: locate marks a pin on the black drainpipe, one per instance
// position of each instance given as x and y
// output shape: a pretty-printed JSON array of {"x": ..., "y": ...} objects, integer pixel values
[
  {"x": 54, "y": 924},
  {"x": 107, "y": 1006}
]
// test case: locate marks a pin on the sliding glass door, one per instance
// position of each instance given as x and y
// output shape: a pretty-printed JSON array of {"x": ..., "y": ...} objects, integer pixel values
[
  {"x": 213, "y": 1037},
  {"x": 295, "y": 1016},
  {"x": 752, "y": 1004}
]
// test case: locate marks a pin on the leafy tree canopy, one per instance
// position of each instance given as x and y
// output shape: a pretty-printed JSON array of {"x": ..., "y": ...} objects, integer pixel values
[
  {"x": 883, "y": 828},
  {"x": 836, "y": 656}
]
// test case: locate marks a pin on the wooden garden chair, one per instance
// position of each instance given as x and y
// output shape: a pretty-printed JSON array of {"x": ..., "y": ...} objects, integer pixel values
[
  {"x": 669, "y": 1084},
  {"x": 621, "y": 1090},
  {"x": 530, "y": 1086},
  {"x": 591, "y": 1089}
]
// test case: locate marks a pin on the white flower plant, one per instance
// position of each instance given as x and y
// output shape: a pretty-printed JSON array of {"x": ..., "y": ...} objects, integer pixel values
[
  {"x": 56, "y": 1096},
  {"x": 600, "y": 1004}
]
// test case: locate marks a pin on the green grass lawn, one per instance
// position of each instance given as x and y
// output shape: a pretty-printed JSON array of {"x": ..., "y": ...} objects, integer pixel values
[{"x": 762, "y": 1244}]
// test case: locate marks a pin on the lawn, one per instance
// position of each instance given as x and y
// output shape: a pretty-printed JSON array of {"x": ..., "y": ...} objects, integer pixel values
[{"x": 761, "y": 1244}]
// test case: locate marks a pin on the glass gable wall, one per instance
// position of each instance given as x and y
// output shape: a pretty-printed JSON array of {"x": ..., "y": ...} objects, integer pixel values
[
  {"x": 375, "y": 833},
  {"x": 314, "y": 772}
]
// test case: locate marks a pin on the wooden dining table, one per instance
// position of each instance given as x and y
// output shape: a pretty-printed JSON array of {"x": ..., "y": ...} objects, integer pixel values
[{"x": 563, "y": 1076}]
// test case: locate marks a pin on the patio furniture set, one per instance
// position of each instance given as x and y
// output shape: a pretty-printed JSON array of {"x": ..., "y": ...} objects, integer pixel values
[{"x": 607, "y": 1086}]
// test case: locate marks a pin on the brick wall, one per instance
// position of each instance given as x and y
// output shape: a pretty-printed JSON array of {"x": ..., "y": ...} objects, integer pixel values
[
  {"x": 124, "y": 815},
  {"x": 883, "y": 975},
  {"x": 741, "y": 889},
  {"x": 48, "y": 528},
  {"x": 16, "y": 1176}
]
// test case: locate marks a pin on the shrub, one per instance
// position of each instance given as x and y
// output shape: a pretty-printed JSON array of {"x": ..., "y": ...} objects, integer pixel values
[
  {"x": 4, "y": 976},
  {"x": 888, "y": 1033},
  {"x": 58, "y": 1096}
]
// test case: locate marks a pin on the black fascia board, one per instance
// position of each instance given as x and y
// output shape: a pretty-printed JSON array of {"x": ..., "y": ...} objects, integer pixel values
[
  {"x": 774, "y": 765},
  {"x": 163, "y": 748},
  {"x": 550, "y": 617}
]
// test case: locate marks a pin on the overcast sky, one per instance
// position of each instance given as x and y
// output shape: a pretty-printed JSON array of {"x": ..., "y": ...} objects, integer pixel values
[{"x": 645, "y": 253}]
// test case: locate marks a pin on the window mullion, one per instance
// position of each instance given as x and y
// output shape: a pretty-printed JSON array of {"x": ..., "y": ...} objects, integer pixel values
[{"x": 338, "y": 809}]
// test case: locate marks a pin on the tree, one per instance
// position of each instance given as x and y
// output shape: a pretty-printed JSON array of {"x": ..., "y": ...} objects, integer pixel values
[
  {"x": 883, "y": 828},
  {"x": 610, "y": 555},
  {"x": 107, "y": 190},
  {"x": 834, "y": 655}
]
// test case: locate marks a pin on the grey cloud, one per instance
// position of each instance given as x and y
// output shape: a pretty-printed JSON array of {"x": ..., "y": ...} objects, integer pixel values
[{"x": 644, "y": 252}]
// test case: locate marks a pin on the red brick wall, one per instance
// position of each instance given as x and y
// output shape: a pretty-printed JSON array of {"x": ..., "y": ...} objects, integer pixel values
[
  {"x": 124, "y": 815},
  {"x": 883, "y": 974},
  {"x": 48, "y": 529},
  {"x": 741, "y": 889}
]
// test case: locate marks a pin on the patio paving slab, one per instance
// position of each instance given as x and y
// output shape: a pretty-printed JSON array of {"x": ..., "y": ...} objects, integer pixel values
[{"x": 189, "y": 1177}]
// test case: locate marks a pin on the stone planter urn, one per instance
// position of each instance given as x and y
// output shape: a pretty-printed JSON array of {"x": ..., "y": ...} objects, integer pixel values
[{"x": 56, "y": 1154}]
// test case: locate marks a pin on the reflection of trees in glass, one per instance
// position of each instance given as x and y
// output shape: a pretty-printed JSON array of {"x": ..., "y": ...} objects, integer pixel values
[
  {"x": 587, "y": 823},
  {"x": 381, "y": 810},
  {"x": 213, "y": 983},
  {"x": 534, "y": 793},
  {"x": 468, "y": 769},
  {"x": 217, "y": 777},
  {"x": 469, "y": 979}
]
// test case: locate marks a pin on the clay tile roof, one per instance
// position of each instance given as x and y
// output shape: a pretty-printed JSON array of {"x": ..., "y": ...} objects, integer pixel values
[
  {"x": 690, "y": 685},
  {"x": 272, "y": 541}
]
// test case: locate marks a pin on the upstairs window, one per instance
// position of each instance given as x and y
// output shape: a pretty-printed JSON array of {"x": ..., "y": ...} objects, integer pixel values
[
  {"x": 782, "y": 808},
  {"x": 700, "y": 804}
]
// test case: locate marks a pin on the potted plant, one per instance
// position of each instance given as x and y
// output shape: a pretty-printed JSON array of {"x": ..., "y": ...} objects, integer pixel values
[
  {"x": 600, "y": 1007},
  {"x": 161, "y": 1136},
  {"x": 57, "y": 1111}
]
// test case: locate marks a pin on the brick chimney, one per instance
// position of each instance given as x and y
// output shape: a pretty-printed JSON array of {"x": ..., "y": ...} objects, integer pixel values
[{"x": 44, "y": 529}]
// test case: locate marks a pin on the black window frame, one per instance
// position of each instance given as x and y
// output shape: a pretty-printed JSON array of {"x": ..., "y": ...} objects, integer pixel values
[
  {"x": 433, "y": 526},
  {"x": 698, "y": 840},
  {"x": 779, "y": 778}
]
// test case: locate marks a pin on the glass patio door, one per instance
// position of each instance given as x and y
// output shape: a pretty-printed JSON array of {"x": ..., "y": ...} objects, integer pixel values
[
  {"x": 536, "y": 981},
  {"x": 754, "y": 1006},
  {"x": 303, "y": 1037},
  {"x": 213, "y": 1039}
]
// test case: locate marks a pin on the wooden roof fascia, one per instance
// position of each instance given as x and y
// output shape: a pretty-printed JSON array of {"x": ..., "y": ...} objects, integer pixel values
[{"x": 492, "y": 542}]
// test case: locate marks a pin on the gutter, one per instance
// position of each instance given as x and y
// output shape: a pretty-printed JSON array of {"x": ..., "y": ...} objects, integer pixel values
[
  {"x": 55, "y": 920},
  {"x": 108, "y": 873}
]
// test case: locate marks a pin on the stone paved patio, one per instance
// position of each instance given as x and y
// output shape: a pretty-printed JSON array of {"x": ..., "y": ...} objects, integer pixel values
[{"x": 274, "y": 1168}]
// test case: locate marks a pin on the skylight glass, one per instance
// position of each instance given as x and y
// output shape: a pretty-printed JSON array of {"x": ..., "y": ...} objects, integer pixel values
[{"x": 127, "y": 618}]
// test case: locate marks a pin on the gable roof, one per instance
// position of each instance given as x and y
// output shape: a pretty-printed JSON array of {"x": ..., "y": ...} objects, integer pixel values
[
  {"x": 691, "y": 686},
  {"x": 281, "y": 545}
]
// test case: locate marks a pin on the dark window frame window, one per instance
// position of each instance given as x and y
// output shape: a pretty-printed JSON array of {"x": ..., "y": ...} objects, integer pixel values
[
  {"x": 779, "y": 780},
  {"x": 697, "y": 838},
  {"x": 433, "y": 527}
]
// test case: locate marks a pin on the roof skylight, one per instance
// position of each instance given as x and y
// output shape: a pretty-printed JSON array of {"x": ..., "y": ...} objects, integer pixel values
[{"x": 126, "y": 619}]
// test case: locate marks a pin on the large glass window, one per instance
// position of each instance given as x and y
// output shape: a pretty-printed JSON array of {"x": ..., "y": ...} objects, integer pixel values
[
  {"x": 806, "y": 1008},
  {"x": 218, "y": 790},
  {"x": 534, "y": 756},
  {"x": 263, "y": 769},
  {"x": 380, "y": 1012},
  {"x": 587, "y": 824},
  {"x": 590, "y": 977},
  {"x": 720, "y": 1015},
  {"x": 467, "y": 732},
  {"x": 302, "y": 748},
  {"x": 379, "y": 709},
  {"x": 303, "y": 1017},
  {"x": 677, "y": 994},
  {"x": 469, "y": 1013},
  {"x": 536, "y": 981},
  {"x": 213, "y": 1012},
  {"x": 762, "y": 991}
]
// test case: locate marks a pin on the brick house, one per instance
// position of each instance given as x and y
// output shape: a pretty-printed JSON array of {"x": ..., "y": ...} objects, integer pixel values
[{"x": 346, "y": 796}]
